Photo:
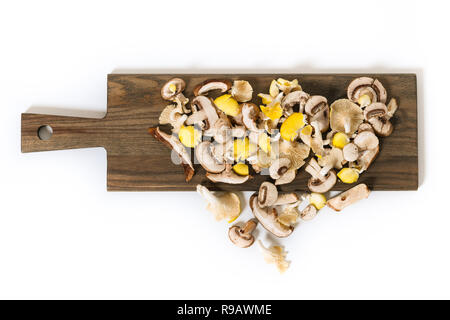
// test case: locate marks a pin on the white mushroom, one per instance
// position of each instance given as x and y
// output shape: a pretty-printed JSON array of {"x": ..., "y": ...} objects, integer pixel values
[
  {"x": 242, "y": 91},
  {"x": 318, "y": 111},
  {"x": 267, "y": 194},
  {"x": 294, "y": 98},
  {"x": 250, "y": 114},
  {"x": 332, "y": 158},
  {"x": 209, "y": 85},
  {"x": 279, "y": 167},
  {"x": 308, "y": 213},
  {"x": 204, "y": 156},
  {"x": 319, "y": 183},
  {"x": 227, "y": 176},
  {"x": 365, "y": 91}
]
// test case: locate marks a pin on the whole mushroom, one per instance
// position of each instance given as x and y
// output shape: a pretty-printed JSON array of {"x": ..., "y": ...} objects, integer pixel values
[
  {"x": 318, "y": 182},
  {"x": 242, "y": 237}
]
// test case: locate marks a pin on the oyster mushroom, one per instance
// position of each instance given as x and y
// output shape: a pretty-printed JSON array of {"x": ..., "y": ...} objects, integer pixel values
[
  {"x": 172, "y": 89},
  {"x": 267, "y": 194},
  {"x": 294, "y": 98},
  {"x": 206, "y": 105},
  {"x": 295, "y": 151},
  {"x": 346, "y": 198},
  {"x": 268, "y": 218},
  {"x": 365, "y": 90},
  {"x": 224, "y": 206},
  {"x": 345, "y": 116},
  {"x": 318, "y": 111},
  {"x": 287, "y": 86},
  {"x": 227, "y": 176},
  {"x": 209, "y": 85},
  {"x": 319, "y": 183},
  {"x": 275, "y": 255},
  {"x": 175, "y": 144},
  {"x": 206, "y": 159},
  {"x": 242, "y": 91},
  {"x": 250, "y": 114},
  {"x": 242, "y": 237}
]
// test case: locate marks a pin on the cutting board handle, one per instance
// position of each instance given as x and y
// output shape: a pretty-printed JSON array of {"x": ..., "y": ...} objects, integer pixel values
[{"x": 62, "y": 132}]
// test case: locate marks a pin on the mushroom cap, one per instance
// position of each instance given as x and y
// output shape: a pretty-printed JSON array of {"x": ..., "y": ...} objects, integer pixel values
[
  {"x": 344, "y": 115},
  {"x": 322, "y": 118},
  {"x": 316, "y": 104},
  {"x": 166, "y": 91},
  {"x": 364, "y": 85},
  {"x": 279, "y": 167},
  {"x": 206, "y": 159},
  {"x": 250, "y": 113},
  {"x": 268, "y": 219},
  {"x": 293, "y": 98},
  {"x": 316, "y": 185},
  {"x": 295, "y": 151},
  {"x": 242, "y": 237},
  {"x": 382, "y": 126},
  {"x": 242, "y": 91},
  {"x": 208, "y": 85},
  {"x": 376, "y": 109},
  {"x": 267, "y": 194},
  {"x": 366, "y": 140},
  {"x": 351, "y": 152}
]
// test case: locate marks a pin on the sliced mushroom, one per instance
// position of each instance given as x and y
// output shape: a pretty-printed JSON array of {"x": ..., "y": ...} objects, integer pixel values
[
  {"x": 206, "y": 159},
  {"x": 366, "y": 140},
  {"x": 242, "y": 237},
  {"x": 207, "y": 105},
  {"x": 250, "y": 114},
  {"x": 392, "y": 108},
  {"x": 346, "y": 198},
  {"x": 294, "y": 98},
  {"x": 209, "y": 85},
  {"x": 227, "y": 176},
  {"x": 318, "y": 111},
  {"x": 345, "y": 116},
  {"x": 225, "y": 205},
  {"x": 366, "y": 158},
  {"x": 331, "y": 158},
  {"x": 242, "y": 91},
  {"x": 295, "y": 151},
  {"x": 175, "y": 144},
  {"x": 287, "y": 177},
  {"x": 351, "y": 152},
  {"x": 367, "y": 87},
  {"x": 286, "y": 198},
  {"x": 279, "y": 167},
  {"x": 319, "y": 183},
  {"x": 365, "y": 127},
  {"x": 268, "y": 218},
  {"x": 382, "y": 126},
  {"x": 172, "y": 88},
  {"x": 267, "y": 194},
  {"x": 308, "y": 213}
]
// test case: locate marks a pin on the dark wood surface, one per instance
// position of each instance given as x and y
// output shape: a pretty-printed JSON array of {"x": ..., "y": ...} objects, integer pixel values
[{"x": 137, "y": 162}]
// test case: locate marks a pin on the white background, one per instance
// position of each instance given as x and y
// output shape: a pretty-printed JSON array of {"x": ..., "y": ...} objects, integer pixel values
[{"x": 63, "y": 236}]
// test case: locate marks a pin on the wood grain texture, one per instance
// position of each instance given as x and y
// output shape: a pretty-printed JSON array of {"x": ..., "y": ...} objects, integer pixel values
[{"x": 137, "y": 162}]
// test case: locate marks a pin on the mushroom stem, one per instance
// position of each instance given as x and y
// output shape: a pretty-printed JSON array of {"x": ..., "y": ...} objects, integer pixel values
[
  {"x": 325, "y": 170},
  {"x": 314, "y": 169},
  {"x": 347, "y": 125},
  {"x": 248, "y": 228}
]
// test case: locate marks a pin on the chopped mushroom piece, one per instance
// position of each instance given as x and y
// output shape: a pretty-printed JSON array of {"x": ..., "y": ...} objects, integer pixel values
[
  {"x": 331, "y": 158},
  {"x": 207, "y": 105},
  {"x": 345, "y": 116},
  {"x": 309, "y": 212},
  {"x": 287, "y": 177},
  {"x": 267, "y": 194},
  {"x": 250, "y": 114},
  {"x": 318, "y": 111},
  {"x": 366, "y": 158},
  {"x": 227, "y": 176},
  {"x": 346, "y": 198},
  {"x": 351, "y": 152},
  {"x": 242, "y": 237},
  {"x": 286, "y": 198},
  {"x": 366, "y": 140},
  {"x": 268, "y": 218},
  {"x": 365, "y": 91},
  {"x": 275, "y": 255},
  {"x": 203, "y": 153},
  {"x": 289, "y": 216},
  {"x": 294, "y": 98},
  {"x": 392, "y": 107},
  {"x": 242, "y": 91},
  {"x": 209, "y": 85},
  {"x": 295, "y": 151},
  {"x": 224, "y": 206},
  {"x": 382, "y": 126},
  {"x": 319, "y": 183},
  {"x": 279, "y": 167},
  {"x": 175, "y": 144}
]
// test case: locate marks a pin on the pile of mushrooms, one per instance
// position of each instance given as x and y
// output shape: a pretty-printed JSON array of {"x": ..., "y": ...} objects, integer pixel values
[{"x": 233, "y": 138}]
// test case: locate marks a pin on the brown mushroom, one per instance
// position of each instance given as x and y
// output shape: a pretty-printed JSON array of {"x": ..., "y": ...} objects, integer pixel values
[
  {"x": 172, "y": 88},
  {"x": 206, "y": 159},
  {"x": 382, "y": 126},
  {"x": 346, "y": 198},
  {"x": 242, "y": 237},
  {"x": 279, "y": 167},
  {"x": 250, "y": 114},
  {"x": 268, "y": 218},
  {"x": 209, "y": 85},
  {"x": 175, "y": 144},
  {"x": 318, "y": 111},
  {"x": 365, "y": 90},
  {"x": 319, "y": 183},
  {"x": 207, "y": 105}
]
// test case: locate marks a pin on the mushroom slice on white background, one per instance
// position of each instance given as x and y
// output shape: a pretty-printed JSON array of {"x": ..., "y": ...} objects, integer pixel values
[
  {"x": 242, "y": 237},
  {"x": 175, "y": 144},
  {"x": 346, "y": 198},
  {"x": 268, "y": 218}
]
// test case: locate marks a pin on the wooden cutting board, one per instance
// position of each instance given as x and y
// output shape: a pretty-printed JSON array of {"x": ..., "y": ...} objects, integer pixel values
[{"x": 137, "y": 162}]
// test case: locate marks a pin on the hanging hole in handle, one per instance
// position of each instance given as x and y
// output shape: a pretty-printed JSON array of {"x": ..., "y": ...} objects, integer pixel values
[{"x": 45, "y": 132}]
